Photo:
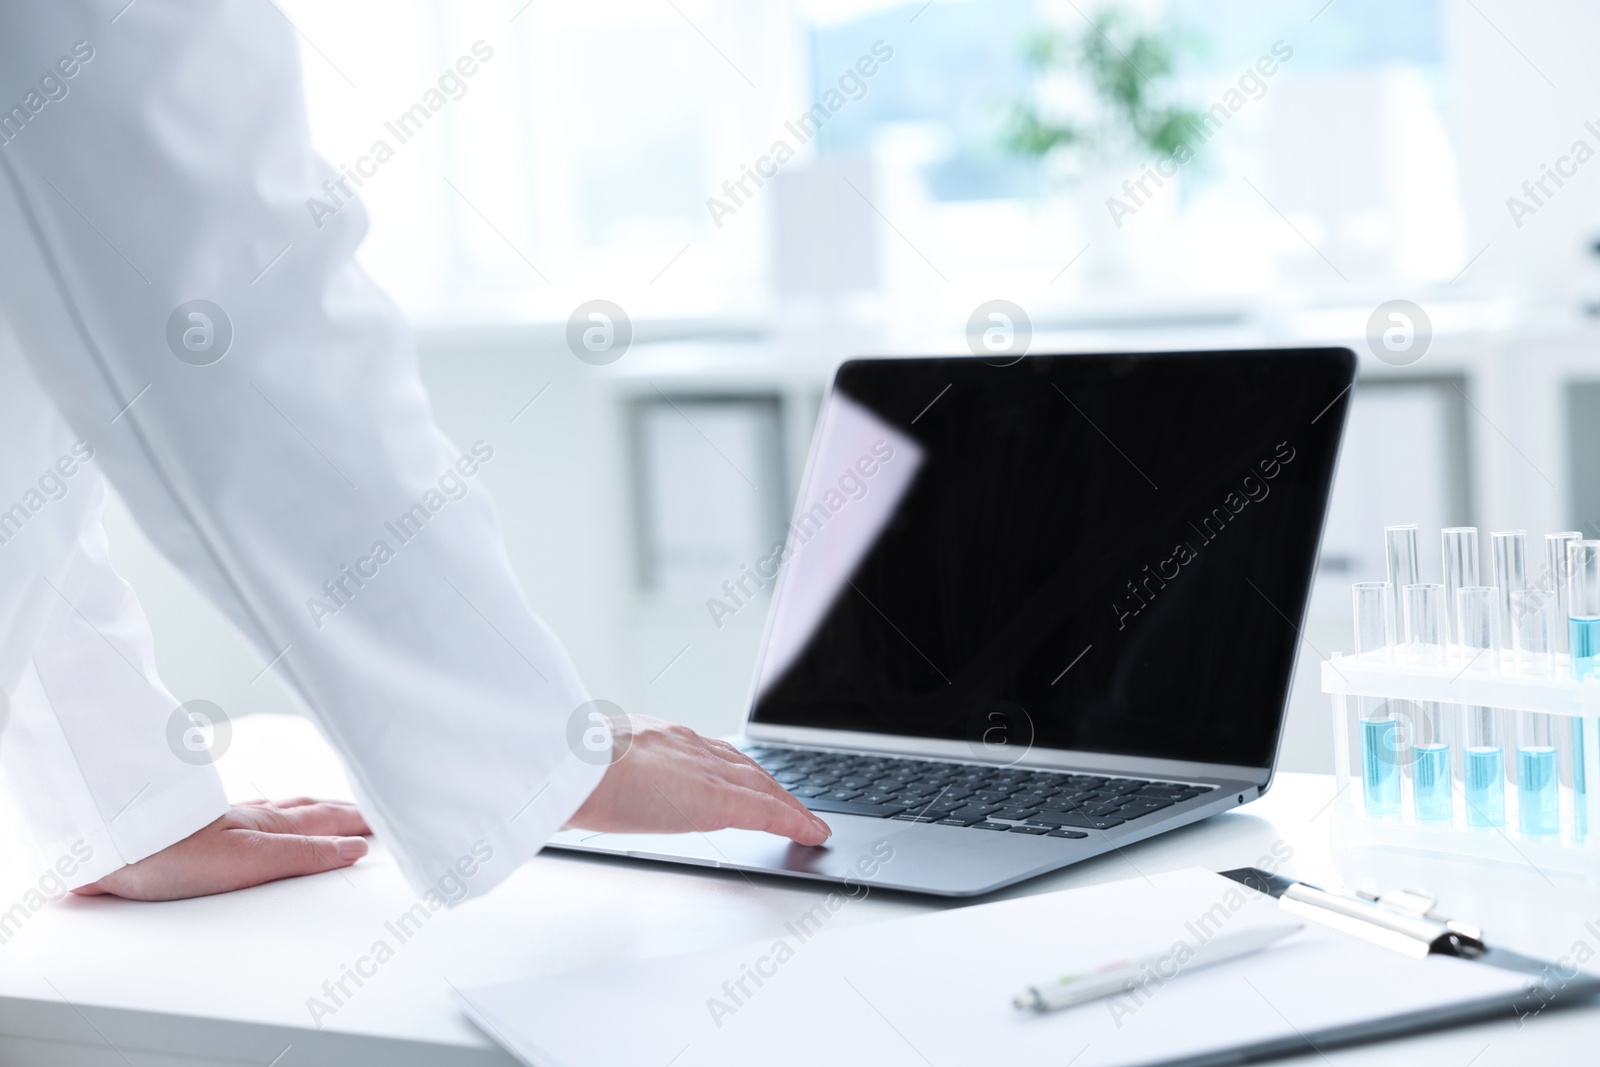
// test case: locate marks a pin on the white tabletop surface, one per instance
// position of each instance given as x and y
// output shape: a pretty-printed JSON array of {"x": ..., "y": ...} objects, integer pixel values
[{"x": 227, "y": 979}]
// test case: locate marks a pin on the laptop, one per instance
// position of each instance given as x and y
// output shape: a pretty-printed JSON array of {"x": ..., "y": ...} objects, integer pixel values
[{"x": 1029, "y": 613}]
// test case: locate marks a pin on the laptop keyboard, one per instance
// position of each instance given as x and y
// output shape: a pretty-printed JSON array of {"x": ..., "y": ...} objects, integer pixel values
[{"x": 996, "y": 799}]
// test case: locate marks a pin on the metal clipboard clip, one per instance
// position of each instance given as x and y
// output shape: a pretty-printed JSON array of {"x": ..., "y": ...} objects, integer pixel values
[{"x": 1402, "y": 920}]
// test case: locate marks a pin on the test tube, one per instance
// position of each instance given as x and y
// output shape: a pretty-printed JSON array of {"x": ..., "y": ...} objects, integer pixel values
[
  {"x": 1583, "y": 607},
  {"x": 1555, "y": 579},
  {"x": 1400, "y": 548},
  {"x": 1532, "y": 630},
  {"x": 1538, "y": 774},
  {"x": 1538, "y": 784},
  {"x": 1583, "y": 640},
  {"x": 1478, "y": 623},
  {"x": 1430, "y": 750},
  {"x": 1556, "y": 572},
  {"x": 1380, "y": 765},
  {"x": 1483, "y": 766},
  {"x": 1509, "y": 549},
  {"x": 1460, "y": 544}
]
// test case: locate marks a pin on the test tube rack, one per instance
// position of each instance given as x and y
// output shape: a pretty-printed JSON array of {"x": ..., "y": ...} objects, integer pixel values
[{"x": 1353, "y": 681}]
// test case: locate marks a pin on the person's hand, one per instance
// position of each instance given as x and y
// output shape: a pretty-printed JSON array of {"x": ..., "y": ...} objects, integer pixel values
[
  {"x": 667, "y": 779},
  {"x": 257, "y": 841}
]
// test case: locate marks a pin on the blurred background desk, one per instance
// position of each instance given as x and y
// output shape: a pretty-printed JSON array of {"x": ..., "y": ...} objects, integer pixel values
[{"x": 631, "y": 493}]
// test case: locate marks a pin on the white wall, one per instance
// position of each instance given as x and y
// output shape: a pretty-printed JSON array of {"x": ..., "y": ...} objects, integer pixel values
[{"x": 1514, "y": 113}]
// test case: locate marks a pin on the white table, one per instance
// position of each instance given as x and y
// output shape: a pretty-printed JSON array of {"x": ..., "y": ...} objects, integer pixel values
[{"x": 226, "y": 979}]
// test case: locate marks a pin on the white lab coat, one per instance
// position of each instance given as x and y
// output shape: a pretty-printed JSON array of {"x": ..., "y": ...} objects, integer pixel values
[{"x": 173, "y": 164}]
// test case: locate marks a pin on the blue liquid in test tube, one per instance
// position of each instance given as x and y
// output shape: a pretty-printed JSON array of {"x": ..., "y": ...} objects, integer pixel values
[
  {"x": 1380, "y": 762},
  {"x": 1584, "y": 636},
  {"x": 1486, "y": 785},
  {"x": 1529, "y": 614},
  {"x": 1430, "y": 780},
  {"x": 1538, "y": 792},
  {"x": 1380, "y": 766},
  {"x": 1483, "y": 764},
  {"x": 1423, "y": 617}
]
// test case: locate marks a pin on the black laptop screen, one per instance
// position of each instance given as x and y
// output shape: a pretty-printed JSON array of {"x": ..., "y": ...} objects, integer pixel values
[{"x": 1104, "y": 553}]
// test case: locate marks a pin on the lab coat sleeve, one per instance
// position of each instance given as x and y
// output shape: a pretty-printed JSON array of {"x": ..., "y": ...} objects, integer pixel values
[
  {"x": 280, "y": 448},
  {"x": 103, "y": 763}
]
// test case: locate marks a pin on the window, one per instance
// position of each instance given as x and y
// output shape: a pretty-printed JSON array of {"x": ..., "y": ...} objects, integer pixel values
[{"x": 575, "y": 163}]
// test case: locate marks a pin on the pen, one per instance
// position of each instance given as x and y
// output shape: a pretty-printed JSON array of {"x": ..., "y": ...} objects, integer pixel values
[{"x": 1123, "y": 975}]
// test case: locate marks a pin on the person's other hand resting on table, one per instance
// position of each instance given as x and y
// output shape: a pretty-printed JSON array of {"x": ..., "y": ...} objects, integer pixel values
[{"x": 665, "y": 778}]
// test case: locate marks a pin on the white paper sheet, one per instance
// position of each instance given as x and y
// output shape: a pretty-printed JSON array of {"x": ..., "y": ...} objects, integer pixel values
[{"x": 937, "y": 989}]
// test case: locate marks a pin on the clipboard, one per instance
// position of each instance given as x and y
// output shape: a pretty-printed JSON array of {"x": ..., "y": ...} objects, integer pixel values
[
  {"x": 938, "y": 987},
  {"x": 1403, "y": 921}
]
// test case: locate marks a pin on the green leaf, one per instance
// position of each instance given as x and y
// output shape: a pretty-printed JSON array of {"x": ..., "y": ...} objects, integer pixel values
[{"x": 1129, "y": 67}]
